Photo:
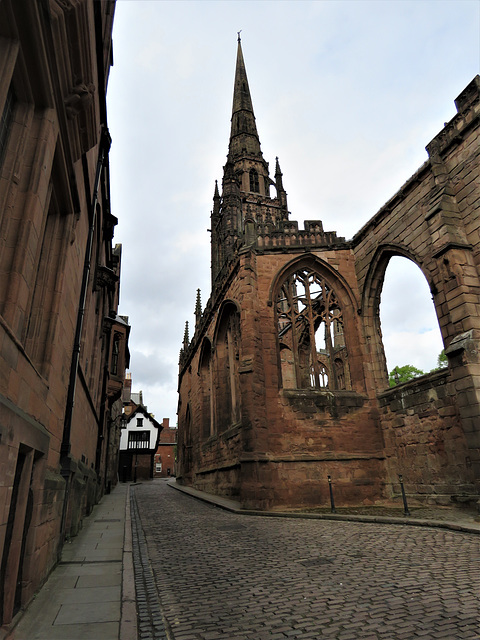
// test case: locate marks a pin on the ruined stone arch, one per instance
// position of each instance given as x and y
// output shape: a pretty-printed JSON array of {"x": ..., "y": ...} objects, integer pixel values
[
  {"x": 225, "y": 378},
  {"x": 206, "y": 400},
  {"x": 314, "y": 310},
  {"x": 185, "y": 445},
  {"x": 371, "y": 303},
  {"x": 250, "y": 231}
]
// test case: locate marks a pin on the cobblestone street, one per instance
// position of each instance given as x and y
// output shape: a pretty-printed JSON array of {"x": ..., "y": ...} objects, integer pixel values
[{"x": 225, "y": 576}]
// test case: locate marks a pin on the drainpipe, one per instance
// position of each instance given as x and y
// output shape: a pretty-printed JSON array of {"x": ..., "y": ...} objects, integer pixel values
[{"x": 105, "y": 142}]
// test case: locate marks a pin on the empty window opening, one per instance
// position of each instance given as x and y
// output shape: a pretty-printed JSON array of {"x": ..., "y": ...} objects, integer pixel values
[{"x": 409, "y": 324}]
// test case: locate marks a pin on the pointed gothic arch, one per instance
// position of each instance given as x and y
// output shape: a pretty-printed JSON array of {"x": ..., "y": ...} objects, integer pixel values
[
  {"x": 186, "y": 445},
  {"x": 311, "y": 304},
  {"x": 254, "y": 181},
  {"x": 226, "y": 382},
  {"x": 371, "y": 298},
  {"x": 250, "y": 231},
  {"x": 205, "y": 373}
]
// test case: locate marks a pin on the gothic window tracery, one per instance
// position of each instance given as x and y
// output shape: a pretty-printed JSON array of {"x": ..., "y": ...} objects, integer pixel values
[
  {"x": 254, "y": 182},
  {"x": 310, "y": 333}
]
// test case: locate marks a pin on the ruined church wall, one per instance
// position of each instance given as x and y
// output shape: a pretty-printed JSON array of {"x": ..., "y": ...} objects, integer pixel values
[
  {"x": 272, "y": 447},
  {"x": 212, "y": 434},
  {"x": 434, "y": 221},
  {"x": 424, "y": 440},
  {"x": 311, "y": 433},
  {"x": 285, "y": 442}
]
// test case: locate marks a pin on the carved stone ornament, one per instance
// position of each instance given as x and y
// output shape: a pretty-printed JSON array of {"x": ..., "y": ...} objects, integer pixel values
[{"x": 79, "y": 99}]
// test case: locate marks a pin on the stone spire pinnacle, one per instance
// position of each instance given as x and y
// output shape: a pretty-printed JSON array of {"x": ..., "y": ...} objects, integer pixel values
[
  {"x": 198, "y": 309},
  {"x": 244, "y": 138},
  {"x": 216, "y": 193},
  {"x": 281, "y": 193},
  {"x": 278, "y": 176},
  {"x": 186, "y": 339}
]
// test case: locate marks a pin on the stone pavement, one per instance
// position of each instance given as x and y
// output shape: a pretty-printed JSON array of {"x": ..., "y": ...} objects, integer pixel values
[
  {"x": 204, "y": 573},
  {"x": 454, "y": 518},
  {"x": 222, "y": 575},
  {"x": 90, "y": 595}
]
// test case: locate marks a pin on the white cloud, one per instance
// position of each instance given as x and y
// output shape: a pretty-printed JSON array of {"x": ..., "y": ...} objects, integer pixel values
[{"x": 409, "y": 347}]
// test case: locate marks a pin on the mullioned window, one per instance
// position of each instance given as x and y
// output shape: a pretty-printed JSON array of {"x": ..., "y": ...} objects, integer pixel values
[{"x": 311, "y": 333}]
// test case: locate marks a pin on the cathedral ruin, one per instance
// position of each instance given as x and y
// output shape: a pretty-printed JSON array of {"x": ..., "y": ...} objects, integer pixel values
[{"x": 284, "y": 381}]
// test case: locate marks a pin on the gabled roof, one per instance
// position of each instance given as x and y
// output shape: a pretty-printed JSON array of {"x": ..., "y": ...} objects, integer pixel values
[{"x": 141, "y": 409}]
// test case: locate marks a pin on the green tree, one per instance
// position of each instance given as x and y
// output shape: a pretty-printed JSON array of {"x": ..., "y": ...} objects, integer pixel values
[
  {"x": 402, "y": 374},
  {"x": 442, "y": 360}
]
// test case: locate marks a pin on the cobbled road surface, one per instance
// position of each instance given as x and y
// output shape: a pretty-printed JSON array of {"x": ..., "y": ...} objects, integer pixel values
[{"x": 225, "y": 576}]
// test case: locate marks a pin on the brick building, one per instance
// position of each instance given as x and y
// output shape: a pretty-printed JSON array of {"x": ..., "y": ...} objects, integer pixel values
[
  {"x": 284, "y": 381},
  {"x": 63, "y": 346},
  {"x": 165, "y": 457}
]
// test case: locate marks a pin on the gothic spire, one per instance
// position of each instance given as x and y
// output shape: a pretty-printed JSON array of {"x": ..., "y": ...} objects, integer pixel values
[
  {"x": 198, "y": 309},
  {"x": 278, "y": 176},
  {"x": 186, "y": 339},
  {"x": 244, "y": 138},
  {"x": 281, "y": 193}
]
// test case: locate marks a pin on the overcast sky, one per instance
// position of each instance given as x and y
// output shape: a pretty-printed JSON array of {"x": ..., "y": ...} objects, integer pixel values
[{"x": 346, "y": 94}]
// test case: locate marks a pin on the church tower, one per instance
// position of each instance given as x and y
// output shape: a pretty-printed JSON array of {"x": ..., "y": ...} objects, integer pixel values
[
  {"x": 273, "y": 374},
  {"x": 245, "y": 204}
]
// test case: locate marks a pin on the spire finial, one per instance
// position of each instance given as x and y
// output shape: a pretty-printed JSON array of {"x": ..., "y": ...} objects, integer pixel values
[
  {"x": 198, "y": 309},
  {"x": 238, "y": 35},
  {"x": 278, "y": 176},
  {"x": 186, "y": 339}
]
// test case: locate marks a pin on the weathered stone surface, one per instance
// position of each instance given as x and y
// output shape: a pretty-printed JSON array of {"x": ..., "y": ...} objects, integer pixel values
[
  {"x": 244, "y": 379},
  {"x": 57, "y": 449}
]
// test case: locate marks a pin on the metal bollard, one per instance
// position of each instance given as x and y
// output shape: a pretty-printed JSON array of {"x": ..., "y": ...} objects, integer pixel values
[
  {"x": 332, "y": 502},
  {"x": 406, "y": 512}
]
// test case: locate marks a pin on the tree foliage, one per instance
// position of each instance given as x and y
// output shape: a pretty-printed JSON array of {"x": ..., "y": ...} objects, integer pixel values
[
  {"x": 403, "y": 374},
  {"x": 442, "y": 360}
]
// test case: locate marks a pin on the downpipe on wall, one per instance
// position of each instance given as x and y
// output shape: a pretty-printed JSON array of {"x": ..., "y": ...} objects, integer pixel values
[{"x": 65, "y": 460}]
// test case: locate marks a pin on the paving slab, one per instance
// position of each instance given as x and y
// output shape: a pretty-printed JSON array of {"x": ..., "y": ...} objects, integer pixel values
[
  {"x": 83, "y": 613},
  {"x": 91, "y": 594},
  {"x": 104, "y": 580},
  {"x": 96, "y": 631},
  {"x": 83, "y": 599},
  {"x": 84, "y": 569}
]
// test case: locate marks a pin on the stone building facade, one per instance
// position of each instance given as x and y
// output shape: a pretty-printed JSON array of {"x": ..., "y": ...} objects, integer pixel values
[
  {"x": 284, "y": 381},
  {"x": 63, "y": 346},
  {"x": 165, "y": 457}
]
